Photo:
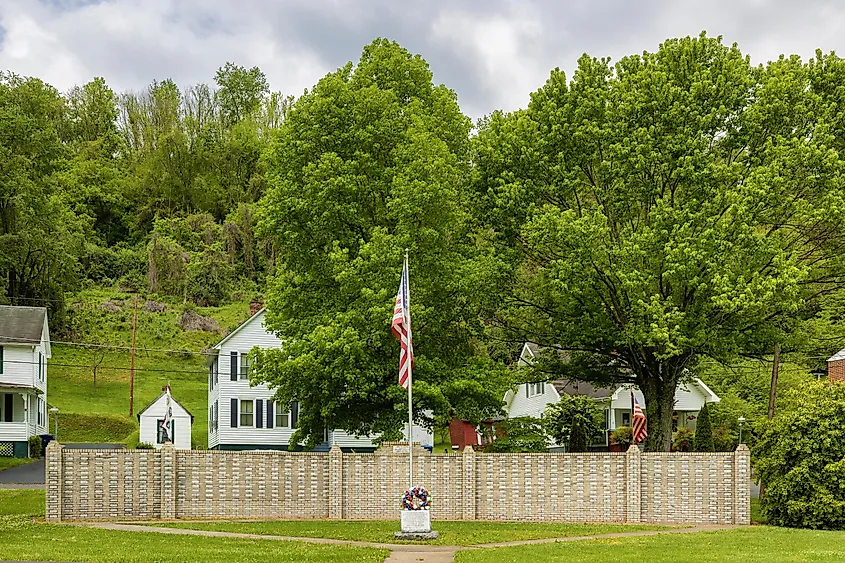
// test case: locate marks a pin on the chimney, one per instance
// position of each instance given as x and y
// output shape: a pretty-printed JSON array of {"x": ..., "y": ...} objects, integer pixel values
[
  {"x": 255, "y": 306},
  {"x": 836, "y": 367}
]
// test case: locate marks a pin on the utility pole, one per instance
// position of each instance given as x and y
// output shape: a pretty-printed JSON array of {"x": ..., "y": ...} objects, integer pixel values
[
  {"x": 132, "y": 360},
  {"x": 773, "y": 390}
]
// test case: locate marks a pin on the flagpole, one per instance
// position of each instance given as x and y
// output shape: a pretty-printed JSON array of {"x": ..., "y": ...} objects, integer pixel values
[
  {"x": 410, "y": 384},
  {"x": 632, "y": 416}
]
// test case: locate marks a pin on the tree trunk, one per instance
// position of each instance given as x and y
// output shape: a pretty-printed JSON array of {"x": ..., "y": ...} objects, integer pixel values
[{"x": 659, "y": 394}]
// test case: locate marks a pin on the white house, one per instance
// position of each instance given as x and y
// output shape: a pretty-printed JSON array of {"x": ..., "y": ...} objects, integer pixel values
[
  {"x": 530, "y": 399},
  {"x": 241, "y": 417},
  {"x": 151, "y": 418},
  {"x": 24, "y": 351}
]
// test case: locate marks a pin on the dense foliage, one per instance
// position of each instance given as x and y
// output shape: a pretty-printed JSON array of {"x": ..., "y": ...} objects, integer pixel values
[
  {"x": 704, "y": 431},
  {"x": 574, "y": 422},
  {"x": 675, "y": 206},
  {"x": 801, "y": 459},
  {"x": 639, "y": 219},
  {"x": 522, "y": 434}
]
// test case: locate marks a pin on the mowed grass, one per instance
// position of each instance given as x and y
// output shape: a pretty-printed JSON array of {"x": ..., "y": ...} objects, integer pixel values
[
  {"x": 7, "y": 462},
  {"x": 752, "y": 544},
  {"x": 87, "y": 415},
  {"x": 451, "y": 533},
  {"x": 22, "y": 538},
  {"x": 22, "y": 502}
]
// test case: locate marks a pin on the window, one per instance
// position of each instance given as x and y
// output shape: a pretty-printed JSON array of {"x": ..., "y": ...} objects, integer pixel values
[
  {"x": 626, "y": 419},
  {"x": 215, "y": 367},
  {"x": 211, "y": 418},
  {"x": 40, "y": 366},
  {"x": 216, "y": 414},
  {"x": 244, "y": 366},
  {"x": 282, "y": 417},
  {"x": 160, "y": 431},
  {"x": 246, "y": 412},
  {"x": 536, "y": 389}
]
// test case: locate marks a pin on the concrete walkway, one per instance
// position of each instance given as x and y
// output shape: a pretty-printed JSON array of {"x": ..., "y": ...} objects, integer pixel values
[{"x": 399, "y": 553}]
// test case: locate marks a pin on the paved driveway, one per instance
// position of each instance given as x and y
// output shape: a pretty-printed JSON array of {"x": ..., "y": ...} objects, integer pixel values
[{"x": 31, "y": 473}]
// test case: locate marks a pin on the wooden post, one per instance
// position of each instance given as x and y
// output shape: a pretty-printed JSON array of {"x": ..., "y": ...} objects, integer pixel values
[{"x": 132, "y": 360}]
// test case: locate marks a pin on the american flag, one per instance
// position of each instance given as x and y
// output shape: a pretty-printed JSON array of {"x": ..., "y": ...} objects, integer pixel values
[
  {"x": 401, "y": 327},
  {"x": 166, "y": 424},
  {"x": 639, "y": 430}
]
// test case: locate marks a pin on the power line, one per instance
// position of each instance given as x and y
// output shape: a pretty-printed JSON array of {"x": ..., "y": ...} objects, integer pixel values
[
  {"x": 112, "y": 347},
  {"x": 87, "y": 366}
]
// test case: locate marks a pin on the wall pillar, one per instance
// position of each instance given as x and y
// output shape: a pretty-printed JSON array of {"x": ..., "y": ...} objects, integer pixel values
[
  {"x": 742, "y": 485},
  {"x": 53, "y": 482},
  {"x": 633, "y": 493},
  {"x": 468, "y": 466},
  {"x": 168, "y": 481},
  {"x": 335, "y": 496}
]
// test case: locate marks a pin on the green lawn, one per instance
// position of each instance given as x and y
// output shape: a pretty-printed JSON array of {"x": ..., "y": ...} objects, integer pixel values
[
  {"x": 7, "y": 462},
  {"x": 22, "y": 502},
  {"x": 103, "y": 415},
  {"x": 747, "y": 545},
  {"x": 451, "y": 533},
  {"x": 22, "y": 538}
]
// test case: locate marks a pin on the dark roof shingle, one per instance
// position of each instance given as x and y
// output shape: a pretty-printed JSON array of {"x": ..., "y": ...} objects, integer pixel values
[{"x": 21, "y": 325}]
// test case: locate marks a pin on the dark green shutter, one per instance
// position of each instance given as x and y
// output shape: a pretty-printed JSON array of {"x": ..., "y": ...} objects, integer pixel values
[
  {"x": 294, "y": 414},
  {"x": 233, "y": 421},
  {"x": 259, "y": 413},
  {"x": 270, "y": 420},
  {"x": 233, "y": 366}
]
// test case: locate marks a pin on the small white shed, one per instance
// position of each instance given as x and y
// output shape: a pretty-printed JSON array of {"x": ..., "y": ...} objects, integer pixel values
[{"x": 152, "y": 416}]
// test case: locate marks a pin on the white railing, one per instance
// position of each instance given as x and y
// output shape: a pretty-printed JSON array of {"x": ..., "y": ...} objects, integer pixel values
[{"x": 13, "y": 432}]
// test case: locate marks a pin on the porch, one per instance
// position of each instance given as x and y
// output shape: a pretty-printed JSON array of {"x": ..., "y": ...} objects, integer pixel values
[{"x": 18, "y": 411}]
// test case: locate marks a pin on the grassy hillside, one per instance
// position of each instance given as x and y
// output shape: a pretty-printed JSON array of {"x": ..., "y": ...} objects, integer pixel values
[{"x": 87, "y": 415}]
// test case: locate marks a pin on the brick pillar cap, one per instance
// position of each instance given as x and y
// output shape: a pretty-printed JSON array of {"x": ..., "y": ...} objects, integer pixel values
[
  {"x": 742, "y": 448},
  {"x": 335, "y": 449},
  {"x": 468, "y": 450},
  {"x": 54, "y": 445},
  {"x": 633, "y": 449}
]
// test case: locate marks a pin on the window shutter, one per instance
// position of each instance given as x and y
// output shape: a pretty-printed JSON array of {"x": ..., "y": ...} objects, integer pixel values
[
  {"x": 294, "y": 414},
  {"x": 527, "y": 390},
  {"x": 270, "y": 420},
  {"x": 233, "y": 367},
  {"x": 233, "y": 423},
  {"x": 1, "y": 359},
  {"x": 259, "y": 413}
]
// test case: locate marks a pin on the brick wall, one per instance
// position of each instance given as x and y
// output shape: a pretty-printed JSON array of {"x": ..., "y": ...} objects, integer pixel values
[
  {"x": 836, "y": 370},
  {"x": 596, "y": 487}
]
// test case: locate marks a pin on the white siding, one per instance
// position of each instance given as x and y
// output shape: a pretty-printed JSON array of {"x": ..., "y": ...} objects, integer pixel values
[
  {"x": 250, "y": 334},
  {"x": 20, "y": 366},
  {"x": 535, "y": 406},
  {"x": 181, "y": 428}
]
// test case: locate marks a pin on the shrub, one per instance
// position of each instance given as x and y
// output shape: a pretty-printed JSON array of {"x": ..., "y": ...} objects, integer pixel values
[
  {"x": 521, "y": 434},
  {"x": 704, "y": 431},
  {"x": 623, "y": 435},
  {"x": 575, "y": 421},
  {"x": 35, "y": 447},
  {"x": 683, "y": 440},
  {"x": 800, "y": 456},
  {"x": 144, "y": 446}
]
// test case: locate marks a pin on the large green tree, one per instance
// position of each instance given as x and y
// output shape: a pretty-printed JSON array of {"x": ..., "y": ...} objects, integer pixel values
[
  {"x": 677, "y": 205},
  {"x": 373, "y": 160},
  {"x": 40, "y": 237}
]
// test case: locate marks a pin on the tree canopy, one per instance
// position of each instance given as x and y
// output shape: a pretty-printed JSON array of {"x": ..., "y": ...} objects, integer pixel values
[
  {"x": 374, "y": 160},
  {"x": 677, "y": 205}
]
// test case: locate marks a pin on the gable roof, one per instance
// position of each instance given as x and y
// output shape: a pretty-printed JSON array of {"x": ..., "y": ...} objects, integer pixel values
[
  {"x": 154, "y": 401},
  {"x": 22, "y": 325},
  {"x": 239, "y": 328},
  {"x": 582, "y": 388},
  {"x": 840, "y": 355}
]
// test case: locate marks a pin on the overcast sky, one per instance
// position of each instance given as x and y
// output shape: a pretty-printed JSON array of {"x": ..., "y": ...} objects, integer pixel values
[{"x": 493, "y": 53}]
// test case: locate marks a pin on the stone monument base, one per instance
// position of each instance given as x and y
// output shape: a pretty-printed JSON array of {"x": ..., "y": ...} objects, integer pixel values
[{"x": 416, "y": 525}]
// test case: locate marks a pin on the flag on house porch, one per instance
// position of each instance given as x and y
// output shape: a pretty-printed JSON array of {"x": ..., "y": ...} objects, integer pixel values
[{"x": 639, "y": 421}]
